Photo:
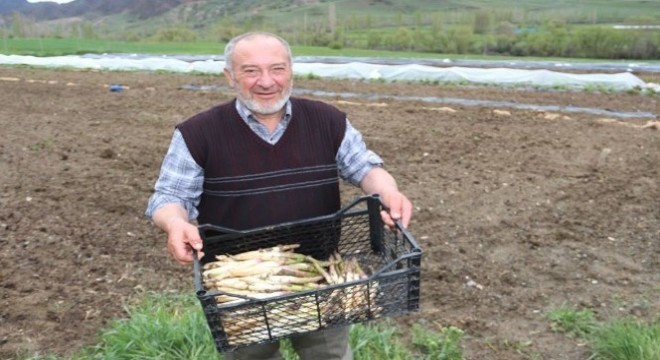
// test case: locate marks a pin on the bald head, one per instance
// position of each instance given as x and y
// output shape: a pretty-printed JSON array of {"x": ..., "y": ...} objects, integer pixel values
[
  {"x": 258, "y": 67},
  {"x": 245, "y": 39}
]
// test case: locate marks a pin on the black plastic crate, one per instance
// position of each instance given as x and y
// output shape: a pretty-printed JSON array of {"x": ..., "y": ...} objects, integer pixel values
[{"x": 391, "y": 259}]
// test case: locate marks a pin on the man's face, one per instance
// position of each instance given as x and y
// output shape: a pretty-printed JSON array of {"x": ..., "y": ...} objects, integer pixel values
[{"x": 262, "y": 76}]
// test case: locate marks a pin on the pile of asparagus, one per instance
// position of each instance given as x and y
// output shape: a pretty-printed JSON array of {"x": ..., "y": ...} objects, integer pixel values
[
  {"x": 279, "y": 270},
  {"x": 262, "y": 273}
]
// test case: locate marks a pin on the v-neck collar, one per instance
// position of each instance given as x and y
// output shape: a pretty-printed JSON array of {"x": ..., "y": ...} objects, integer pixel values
[{"x": 259, "y": 129}]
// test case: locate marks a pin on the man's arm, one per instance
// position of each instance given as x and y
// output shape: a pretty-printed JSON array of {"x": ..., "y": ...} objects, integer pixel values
[
  {"x": 362, "y": 167},
  {"x": 173, "y": 204},
  {"x": 379, "y": 181}
]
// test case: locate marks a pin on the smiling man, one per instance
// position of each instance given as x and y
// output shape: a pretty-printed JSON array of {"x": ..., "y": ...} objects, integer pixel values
[
  {"x": 261, "y": 159},
  {"x": 259, "y": 70}
]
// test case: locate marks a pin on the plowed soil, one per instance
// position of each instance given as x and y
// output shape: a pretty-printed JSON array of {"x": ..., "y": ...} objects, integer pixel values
[{"x": 518, "y": 212}]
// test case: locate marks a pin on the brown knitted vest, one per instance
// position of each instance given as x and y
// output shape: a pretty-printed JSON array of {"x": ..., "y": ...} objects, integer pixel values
[{"x": 249, "y": 183}]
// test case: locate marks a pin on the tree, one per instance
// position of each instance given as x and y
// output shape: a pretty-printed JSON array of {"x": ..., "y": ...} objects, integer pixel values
[
  {"x": 589, "y": 42},
  {"x": 402, "y": 39},
  {"x": 225, "y": 30},
  {"x": 176, "y": 34},
  {"x": 367, "y": 21},
  {"x": 483, "y": 22},
  {"x": 374, "y": 39},
  {"x": 332, "y": 19},
  {"x": 74, "y": 30},
  {"x": 436, "y": 24},
  {"x": 87, "y": 30},
  {"x": 399, "y": 19},
  {"x": 17, "y": 26},
  {"x": 462, "y": 39}
]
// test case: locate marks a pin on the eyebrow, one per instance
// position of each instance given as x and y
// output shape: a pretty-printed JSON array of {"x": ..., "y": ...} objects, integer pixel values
[{"x": 245, "y": 66}]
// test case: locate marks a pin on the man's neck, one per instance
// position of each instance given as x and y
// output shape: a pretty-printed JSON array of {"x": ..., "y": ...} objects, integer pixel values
[{"x": 270, "y": 121}]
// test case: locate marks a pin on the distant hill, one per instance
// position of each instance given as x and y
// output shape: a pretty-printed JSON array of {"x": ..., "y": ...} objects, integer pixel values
[
  {"x": 89, "y": 9},
  {"x": 520, "y": 28},
  {"x": 202, "y": 14}
]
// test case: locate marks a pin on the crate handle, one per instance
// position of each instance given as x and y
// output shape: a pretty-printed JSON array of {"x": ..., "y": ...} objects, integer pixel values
[{"x": 197, "y": 274}]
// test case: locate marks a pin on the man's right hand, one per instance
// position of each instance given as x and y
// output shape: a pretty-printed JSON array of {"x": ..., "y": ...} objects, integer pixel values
[{"x": 182, "y": 238}]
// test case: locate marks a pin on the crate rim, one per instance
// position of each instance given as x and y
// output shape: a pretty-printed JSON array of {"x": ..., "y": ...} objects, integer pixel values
[{"x": 347, "y": 210}]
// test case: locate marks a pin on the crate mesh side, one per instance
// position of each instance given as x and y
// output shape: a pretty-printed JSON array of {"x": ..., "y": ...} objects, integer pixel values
[
  {"x": 392, "y": 288},
  {"x": 267, "y": 321}
]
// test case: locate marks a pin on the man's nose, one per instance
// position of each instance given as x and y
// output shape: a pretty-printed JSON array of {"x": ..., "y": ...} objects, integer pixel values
[{"x": 266, "y": 79}]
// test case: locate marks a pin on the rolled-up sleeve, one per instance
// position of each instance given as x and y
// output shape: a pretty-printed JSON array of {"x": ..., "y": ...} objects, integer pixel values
[
  {"x": 354, "y": 159},
  {"x": 180, "y": 181}
]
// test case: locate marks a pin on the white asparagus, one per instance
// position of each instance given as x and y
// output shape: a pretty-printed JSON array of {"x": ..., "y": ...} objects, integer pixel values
[
  {"x": 224, "y": 270},
  {"x": 274, "y": 271},
  {"x": 275, "y": 251}
]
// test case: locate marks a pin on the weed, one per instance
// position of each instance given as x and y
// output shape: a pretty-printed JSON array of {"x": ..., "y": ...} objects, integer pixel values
[
  {"x": 627, "y": 339},
  {"x": 573, "y": 322},
  {"x": 443, "y": 345},
  {"x": 41, "y": 145}
]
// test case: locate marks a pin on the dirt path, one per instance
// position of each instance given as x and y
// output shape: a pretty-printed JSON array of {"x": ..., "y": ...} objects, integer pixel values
[{"x": 518, "y": 211}]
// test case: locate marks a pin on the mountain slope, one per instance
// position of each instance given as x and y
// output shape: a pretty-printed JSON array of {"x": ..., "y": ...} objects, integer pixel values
[
  {"x": 141, "y": 9},
  {"x": 319, "y": 17}
]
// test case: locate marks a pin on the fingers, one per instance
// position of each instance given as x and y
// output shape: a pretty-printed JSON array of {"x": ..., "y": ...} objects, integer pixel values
[
  {"x": 181, "y": 252},
  {"x": 182, "y": 240},
  {"x": 184, "y": 255},
  {"x": 406, "y": 213},
  {"x": 400, "y": 209}
]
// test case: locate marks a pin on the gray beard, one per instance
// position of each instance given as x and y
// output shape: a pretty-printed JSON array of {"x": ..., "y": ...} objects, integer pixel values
[{"x": 256, "y": 108}]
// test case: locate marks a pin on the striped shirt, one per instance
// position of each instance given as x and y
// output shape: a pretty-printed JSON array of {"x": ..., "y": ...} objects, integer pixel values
[{"x": 181, "y": 179}]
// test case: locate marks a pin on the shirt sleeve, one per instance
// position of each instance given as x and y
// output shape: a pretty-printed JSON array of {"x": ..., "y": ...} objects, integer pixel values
[
  {"x": 354, "y": 159},
  {"x": 180, "y": 181}
]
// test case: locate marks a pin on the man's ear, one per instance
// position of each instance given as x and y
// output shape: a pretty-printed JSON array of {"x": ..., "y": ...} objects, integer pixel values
[{"x": 229, "y": 77}]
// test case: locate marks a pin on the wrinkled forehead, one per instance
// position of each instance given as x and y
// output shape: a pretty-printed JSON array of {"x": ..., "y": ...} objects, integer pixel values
[{"x": 260, "y": 49}]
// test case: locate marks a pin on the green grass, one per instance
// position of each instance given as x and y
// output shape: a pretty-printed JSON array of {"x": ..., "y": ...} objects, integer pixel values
[
  {"x": 620, "y": 339},
  {"x": 173, "y": 327},
  {"x": 627, "y": 339},
  {"x": 443, "y": 345},
  {"x": 60, "y": 47},
  {"x": 161, "y": 327},
  {"x": 572, "y": 322}
]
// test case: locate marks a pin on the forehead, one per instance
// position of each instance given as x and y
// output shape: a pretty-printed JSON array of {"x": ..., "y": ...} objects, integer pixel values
[{"x": 260, "y": 50}]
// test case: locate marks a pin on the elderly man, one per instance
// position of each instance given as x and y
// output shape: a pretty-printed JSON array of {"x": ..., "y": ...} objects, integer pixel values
[{"x": 261, "y": 159}]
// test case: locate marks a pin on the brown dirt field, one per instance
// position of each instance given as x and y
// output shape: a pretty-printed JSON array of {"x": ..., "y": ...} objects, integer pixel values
[{"x": 518, "y": 212}]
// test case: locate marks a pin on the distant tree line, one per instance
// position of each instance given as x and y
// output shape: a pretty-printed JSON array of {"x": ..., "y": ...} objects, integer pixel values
[
  {"x": 488, "y": 33},
  {"x": 546, "y": 41}
]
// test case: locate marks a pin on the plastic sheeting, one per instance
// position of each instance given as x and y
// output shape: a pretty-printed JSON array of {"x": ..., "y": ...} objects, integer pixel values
[
  {"x": 448, "y": 101},
  {"x": 495, "y": 76},
  {"x": 352, "y": 70}
]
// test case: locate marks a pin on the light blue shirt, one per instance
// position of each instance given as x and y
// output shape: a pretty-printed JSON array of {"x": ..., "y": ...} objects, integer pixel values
[{"x": 181, "y": 179}]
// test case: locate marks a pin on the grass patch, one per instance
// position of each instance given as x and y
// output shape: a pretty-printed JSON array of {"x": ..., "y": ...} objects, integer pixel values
[
  {"x": 627, "y": 339},
  {"x": 443, "y": 345},
  {"x": 45, "y": 46},
  {"x": 160, "y": 327},
  {"x": 169, "y": 327},
  {"x": 572, "y": 322},
  {"x": 173, "y": 327},
  {"x": 620, "y": 339}
]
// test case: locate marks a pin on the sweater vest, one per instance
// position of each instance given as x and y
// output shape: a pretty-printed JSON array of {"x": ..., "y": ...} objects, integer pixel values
[{"x": 249, "y": 183}]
